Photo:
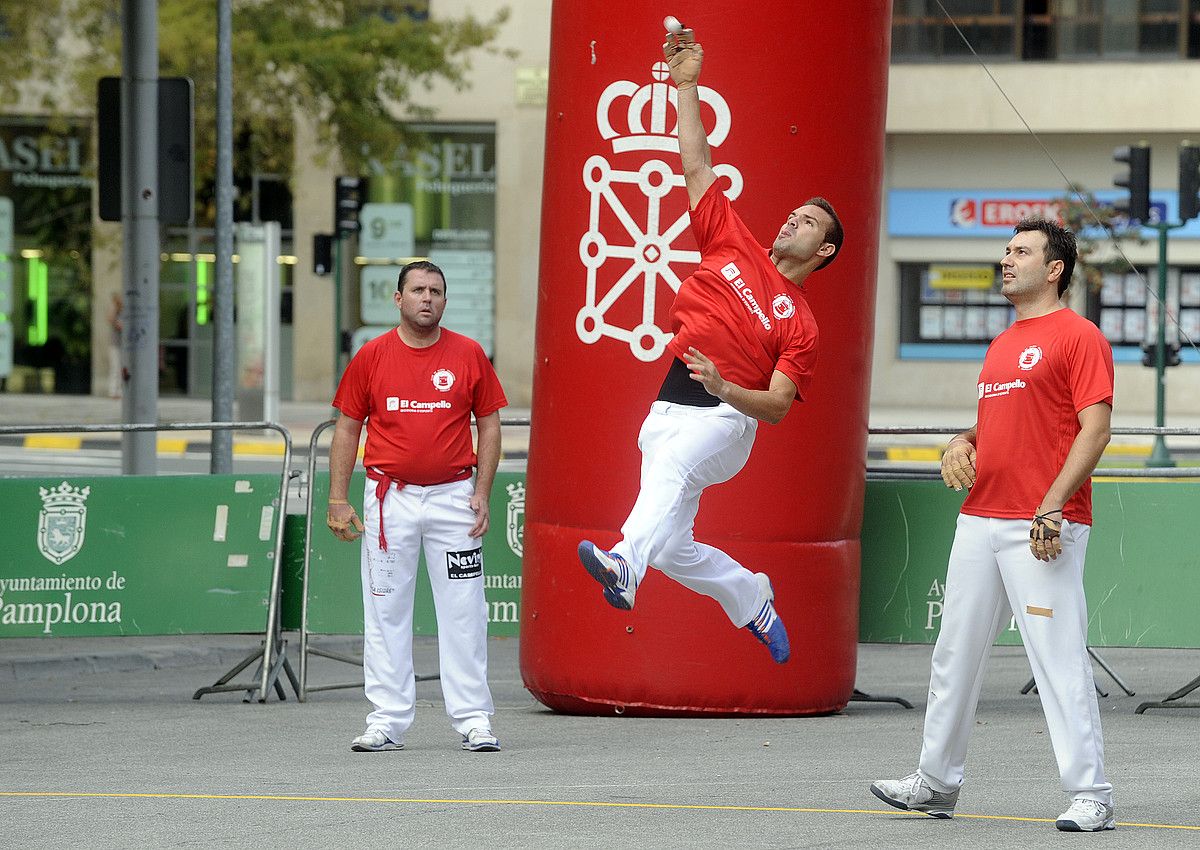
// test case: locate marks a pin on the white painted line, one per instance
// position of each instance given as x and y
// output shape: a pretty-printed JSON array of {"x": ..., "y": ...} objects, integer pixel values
[
  {"x": 238, "y": 561},
  {"x": 222, "y": 523},
  {"x": 242, "y": 486}
]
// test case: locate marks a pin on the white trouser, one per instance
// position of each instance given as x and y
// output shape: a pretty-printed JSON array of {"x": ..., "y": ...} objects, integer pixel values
[
  {"x": 684, "y": 450},
  {"x": 439, "y": 518},
  {"x": 992, "y": 575}
]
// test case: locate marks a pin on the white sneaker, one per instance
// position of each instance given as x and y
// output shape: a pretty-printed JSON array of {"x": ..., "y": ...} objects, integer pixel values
[
  {"x": 374, "y": 741},
  {"x": 914, "y": 794},
  {"x": 1086, "y": 816},
  {"x": 481, "y": 740}
]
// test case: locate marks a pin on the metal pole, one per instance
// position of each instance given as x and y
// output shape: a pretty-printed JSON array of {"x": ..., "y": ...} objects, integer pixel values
[
  {"x": 337, "y": 305},
  {"x": 139, "y": 228},
  {"x": 1159, "y": 456},
  {"x": 221, "y": 458}
]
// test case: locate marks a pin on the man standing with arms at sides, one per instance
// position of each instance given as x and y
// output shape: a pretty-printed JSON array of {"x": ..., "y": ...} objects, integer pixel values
[
  {"x": 416, "y": 387},
  {"x": 744, "y": 348},
  {"x": 1045, "y": 408}
]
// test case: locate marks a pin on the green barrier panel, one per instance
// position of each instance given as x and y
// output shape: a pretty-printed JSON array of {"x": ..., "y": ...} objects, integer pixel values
[
  {"x": 136, "y": 555},
  {"x": 1140, "y": 577},
  {"x": 334, "y": 584},
  {"x": 291, "y": 585}
]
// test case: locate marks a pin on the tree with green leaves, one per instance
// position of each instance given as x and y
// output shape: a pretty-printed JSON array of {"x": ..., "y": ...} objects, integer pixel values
[
  {"x": 349, "y": 66},
  {"x": 1099, "y": 231}
]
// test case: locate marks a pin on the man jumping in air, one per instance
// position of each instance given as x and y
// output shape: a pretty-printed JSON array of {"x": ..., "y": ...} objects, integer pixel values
[{"x": 745, "y": 345}]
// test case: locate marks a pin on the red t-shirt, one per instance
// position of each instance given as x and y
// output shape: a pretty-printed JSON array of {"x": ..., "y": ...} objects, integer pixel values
[
  {"x": 738, "y": 310},
  {"x": 1036, "y": 377},
  {"x": 418, "y": 404}
]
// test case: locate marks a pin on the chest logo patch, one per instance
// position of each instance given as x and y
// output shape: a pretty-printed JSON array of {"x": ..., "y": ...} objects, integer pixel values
[
  {"x": 443, "y": 380},
  {"x": 783, "y": 307},
  {"x": 1029, "y": 358}
]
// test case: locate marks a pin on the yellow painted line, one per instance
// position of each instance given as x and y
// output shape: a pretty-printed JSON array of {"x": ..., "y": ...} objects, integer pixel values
[
  {"x": 1130, "y": 449},
  {"x": 1112, "y": 479},
  {"x": 171, "y": 446},
  {"x": 919, "y": 453},
  {"x": 914, "y": 453},
  {"x": 577, "y": 803},
  {"x": 52, "y": 441},
  {"x": 257, "y": 447}
]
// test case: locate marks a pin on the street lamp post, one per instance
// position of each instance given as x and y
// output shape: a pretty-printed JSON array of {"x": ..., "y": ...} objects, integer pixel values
[{"x": 1159, "y": 456}]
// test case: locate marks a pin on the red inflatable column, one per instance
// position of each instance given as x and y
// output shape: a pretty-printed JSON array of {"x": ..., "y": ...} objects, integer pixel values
[{"x": 793, "y": 98}]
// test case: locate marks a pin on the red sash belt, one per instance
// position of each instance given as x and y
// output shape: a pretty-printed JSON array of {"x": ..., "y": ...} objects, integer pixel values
[{"x": 383, "y": 482}]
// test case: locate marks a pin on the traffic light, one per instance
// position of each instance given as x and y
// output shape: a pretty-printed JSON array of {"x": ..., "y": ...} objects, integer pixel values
[
  {"x": 1136, "y": 180},
  {"x": 1189, "y": 181},
  {"x": 348, "y": 196},
  {"x": 1170, "y": 354}
]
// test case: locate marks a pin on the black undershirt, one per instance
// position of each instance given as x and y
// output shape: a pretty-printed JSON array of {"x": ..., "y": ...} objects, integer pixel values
[{"x": 679, "y": 388}]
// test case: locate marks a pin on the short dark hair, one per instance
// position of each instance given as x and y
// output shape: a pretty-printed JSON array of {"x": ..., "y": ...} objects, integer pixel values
[
  {"x": 420, "y": 265},
  {"x": 1060, "y": 245},
  {"x": 834, "y": 233}
]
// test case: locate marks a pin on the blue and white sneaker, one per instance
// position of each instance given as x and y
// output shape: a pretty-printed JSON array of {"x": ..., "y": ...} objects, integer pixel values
[
  {"x": 766, "y": 625},
  {"x": 611, "y": 570},
  {"x": 481, "y": 740}
]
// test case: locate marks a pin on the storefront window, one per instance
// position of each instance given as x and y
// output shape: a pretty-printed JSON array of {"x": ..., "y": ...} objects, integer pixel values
[
  {"x": 435, "y": 198},
  {"x": 186, "y": 310},
  {"x": 1127, "y": 310},
  {"x": 45, "y": 256},
  {"x": 951, "y": 311},
  {"x": 951, "y": 304}
]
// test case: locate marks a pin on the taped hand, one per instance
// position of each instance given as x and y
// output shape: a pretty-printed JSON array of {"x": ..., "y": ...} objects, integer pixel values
[
  {"x": 1045, "y": 537},
  {"x": 684, "y": 60}
]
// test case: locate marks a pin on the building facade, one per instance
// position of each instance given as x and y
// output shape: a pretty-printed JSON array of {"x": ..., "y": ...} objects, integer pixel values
[{"x": 995, "y": 109}]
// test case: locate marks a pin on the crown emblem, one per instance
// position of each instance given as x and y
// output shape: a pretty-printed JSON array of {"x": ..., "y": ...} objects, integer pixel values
[
  {"x": 64, "y": 496},
  {"x": 646, "y": 114},
  {"x": 62, "y": 522},
  {"x": 516, "y": 492},
  {"x": 632, "y": 263}
]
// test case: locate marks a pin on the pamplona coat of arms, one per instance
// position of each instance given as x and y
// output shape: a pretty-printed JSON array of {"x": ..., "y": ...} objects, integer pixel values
[
  {"x": 62, "y": 522},
  {"x": 515, "y": 525}
]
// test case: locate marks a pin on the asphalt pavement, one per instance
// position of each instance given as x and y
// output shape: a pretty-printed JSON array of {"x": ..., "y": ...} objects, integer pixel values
[{"x": 104, "y": 747}]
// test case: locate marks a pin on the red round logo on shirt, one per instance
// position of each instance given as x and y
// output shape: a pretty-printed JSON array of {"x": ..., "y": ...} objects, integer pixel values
[
  {"x": 443, "y": 380},
  {"x": 782, "y": 306},
  {"x": 1029, "y": 358}
]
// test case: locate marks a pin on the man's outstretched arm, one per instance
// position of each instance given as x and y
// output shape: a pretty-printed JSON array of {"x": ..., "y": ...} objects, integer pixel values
[{"x": 685, "y": 62}]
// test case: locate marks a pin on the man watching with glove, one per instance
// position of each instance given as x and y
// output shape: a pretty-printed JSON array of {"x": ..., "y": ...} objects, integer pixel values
[{"x": 1045, "y": 407}]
